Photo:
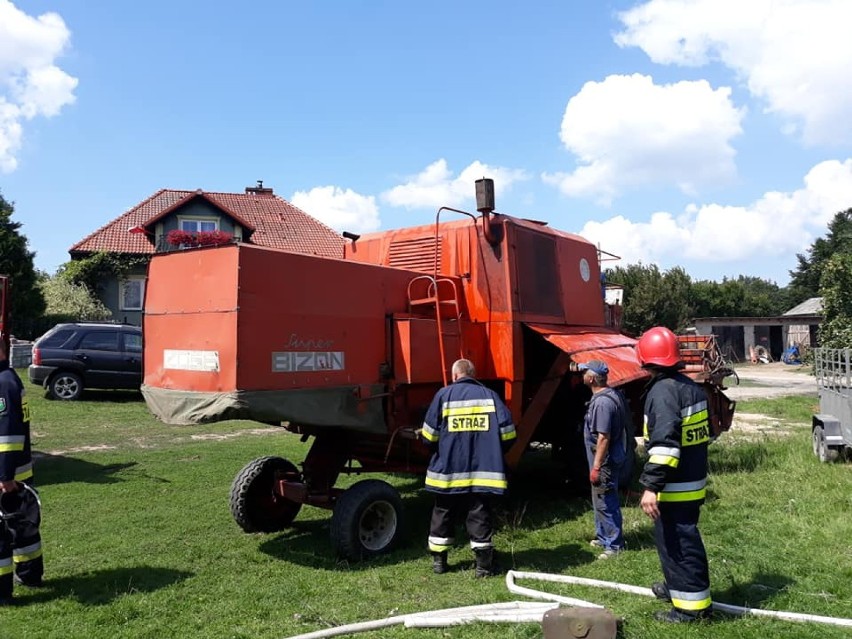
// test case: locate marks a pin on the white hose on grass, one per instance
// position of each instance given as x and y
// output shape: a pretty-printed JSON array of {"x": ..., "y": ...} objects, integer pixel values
[
  {"x": 505, "y": 612},
  {"x": 531, "y": 612},
  {"x": 638, "y": 590}
]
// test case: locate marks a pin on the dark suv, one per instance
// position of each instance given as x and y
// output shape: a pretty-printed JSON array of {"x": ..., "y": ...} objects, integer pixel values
[{"x": 71, "y": 357}]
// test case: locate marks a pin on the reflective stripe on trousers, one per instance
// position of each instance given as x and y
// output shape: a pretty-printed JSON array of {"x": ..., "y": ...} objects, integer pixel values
[
  {"x": 448, "y": 509},
  {"x": 682, "y": 556}
]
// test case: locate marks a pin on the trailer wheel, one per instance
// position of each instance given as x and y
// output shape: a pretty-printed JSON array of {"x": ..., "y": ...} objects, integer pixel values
[
  {"x": 824, "y": 453},
  {"x": 367, "y": 520},
  {"x": 254, "y": 505}
]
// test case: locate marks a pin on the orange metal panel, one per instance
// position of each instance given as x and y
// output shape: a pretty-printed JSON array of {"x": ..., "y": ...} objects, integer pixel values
[
  {"x": 312, "y": 322},
  {"x": 416, "y": 356},
  {"x": 191, "y": 351},
  {"x": 504, "y": 340},
  {"x": 190, "y": 320},
  {"x": 584, "y": 344},
  {"x": 193, "y": 280},
  {"x": 4, "y": 313}
]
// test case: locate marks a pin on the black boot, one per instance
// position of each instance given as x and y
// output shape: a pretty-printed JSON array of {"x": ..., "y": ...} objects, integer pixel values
[
  {"x": 37, "y": 582},
  {"x": 661, "y": 591},
  {"x": 486, "y": 562},
  {"x": 679, "y": 616},
  {"x": 439, "y": 562}
]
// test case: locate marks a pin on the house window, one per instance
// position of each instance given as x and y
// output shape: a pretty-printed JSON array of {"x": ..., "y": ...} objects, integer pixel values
[
  {"x": 132, "y": 292},
  {"x": 198, "y": 225}
]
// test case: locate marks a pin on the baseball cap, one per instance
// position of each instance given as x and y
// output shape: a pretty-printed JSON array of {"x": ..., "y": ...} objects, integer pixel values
[{"x": 596, "y": 366}]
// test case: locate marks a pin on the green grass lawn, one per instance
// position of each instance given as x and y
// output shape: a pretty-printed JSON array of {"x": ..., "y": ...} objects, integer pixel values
[{"x": 140, "y": 542}]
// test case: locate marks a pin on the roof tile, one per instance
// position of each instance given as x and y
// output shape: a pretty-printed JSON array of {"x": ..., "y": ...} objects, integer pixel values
[{"x": 278, "y": 224}]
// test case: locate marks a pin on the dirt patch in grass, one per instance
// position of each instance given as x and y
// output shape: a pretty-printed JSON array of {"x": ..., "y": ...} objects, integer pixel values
[
  {"x": 79, "y": 449},
  {"x": 160, "y": 442},
  {"x": 223, "y": 436},
  {"x": 754, "y": 425}
]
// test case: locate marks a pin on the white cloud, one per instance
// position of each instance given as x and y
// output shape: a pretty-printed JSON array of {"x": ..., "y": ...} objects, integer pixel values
[
  {"x": 776, "y": 224},
  {"x": 629, "y": 132},
  {"x": 30, "y": 83},
  {"x": 435, "y": 186},
  {"x": 793, "y": 54},
  {"x": 342, "y": 210}
]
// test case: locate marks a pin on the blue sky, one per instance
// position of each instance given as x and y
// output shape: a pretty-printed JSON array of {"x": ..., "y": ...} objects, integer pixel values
[{"x": 710, "y": 134}]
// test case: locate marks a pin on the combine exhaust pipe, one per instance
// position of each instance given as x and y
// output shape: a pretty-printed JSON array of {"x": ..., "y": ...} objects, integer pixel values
[{"x": 485, "y": 205}]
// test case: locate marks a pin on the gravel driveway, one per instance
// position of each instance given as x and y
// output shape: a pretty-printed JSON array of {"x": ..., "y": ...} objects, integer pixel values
[{"x": 771, "y": 380}]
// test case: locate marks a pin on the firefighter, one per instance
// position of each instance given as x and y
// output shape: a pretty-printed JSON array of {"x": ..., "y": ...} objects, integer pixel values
[
  {"x": 677, "y": 433},
  {"x": 469, "y": 428},
  {"x": 20, "y": 541}
]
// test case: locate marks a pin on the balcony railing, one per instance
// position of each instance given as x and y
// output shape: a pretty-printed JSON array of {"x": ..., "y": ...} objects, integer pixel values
[{"x": 164, "y": 246}]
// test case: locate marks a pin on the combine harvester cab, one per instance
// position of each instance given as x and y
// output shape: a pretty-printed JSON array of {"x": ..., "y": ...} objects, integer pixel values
[{"x": 350, "y": 352}]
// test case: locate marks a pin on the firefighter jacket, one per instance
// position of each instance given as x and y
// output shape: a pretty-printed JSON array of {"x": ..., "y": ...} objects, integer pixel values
[
  {"x": 470, "y": 426},
  {"x": 677, "y": 433},
  {"x": 15, "y": 452}
]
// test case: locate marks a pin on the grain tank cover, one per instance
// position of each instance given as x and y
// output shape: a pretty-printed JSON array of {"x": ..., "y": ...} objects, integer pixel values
[{"x": 244, "y": 332}]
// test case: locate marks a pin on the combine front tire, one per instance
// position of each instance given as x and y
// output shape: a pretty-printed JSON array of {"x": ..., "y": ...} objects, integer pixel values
[
  {"x": 367, "y": 520},
  {"x": 254, "y": 504}
]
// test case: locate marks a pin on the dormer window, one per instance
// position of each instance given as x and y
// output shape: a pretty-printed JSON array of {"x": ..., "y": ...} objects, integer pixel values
[{"x": 197, "y": 224}]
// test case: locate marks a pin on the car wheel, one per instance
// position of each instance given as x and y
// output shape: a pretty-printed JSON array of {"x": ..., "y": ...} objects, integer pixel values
[{"x": 65, "y": 386}]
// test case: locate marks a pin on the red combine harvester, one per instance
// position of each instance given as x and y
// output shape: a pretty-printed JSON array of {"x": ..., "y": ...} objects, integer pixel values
[{"x": 350, "y": 352}]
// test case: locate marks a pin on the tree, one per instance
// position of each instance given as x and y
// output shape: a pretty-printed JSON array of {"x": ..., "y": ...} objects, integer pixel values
[
  {"x": 836, "y": 290},
  {"x": 745, "y": 296},
  {"x": 16, "y": 261},
  {"x": 652, "y": 298},
  {"x": 806, "y": 278},
  {"x": 71, "y": 301}
]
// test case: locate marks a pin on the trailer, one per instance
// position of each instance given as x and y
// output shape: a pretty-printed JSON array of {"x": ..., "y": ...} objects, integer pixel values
[
  {"x": 349, "y": 352},
  {"x": 832, "y": 426}
]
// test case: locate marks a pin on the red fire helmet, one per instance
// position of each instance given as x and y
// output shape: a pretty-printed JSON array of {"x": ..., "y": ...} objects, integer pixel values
[{"x": 658, "y": 346}]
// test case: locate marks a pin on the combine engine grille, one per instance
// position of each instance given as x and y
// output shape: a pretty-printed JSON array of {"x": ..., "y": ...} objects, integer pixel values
[{"x": 415, "y": 255}]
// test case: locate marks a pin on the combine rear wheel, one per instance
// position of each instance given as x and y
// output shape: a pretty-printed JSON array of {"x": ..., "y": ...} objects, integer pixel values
[
  {"x": 367, "y": 520},
  {"x": 254, "y": 504}
]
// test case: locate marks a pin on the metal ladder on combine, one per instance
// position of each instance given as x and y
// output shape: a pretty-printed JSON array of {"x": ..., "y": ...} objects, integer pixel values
[{"x": 442, "y": 294}]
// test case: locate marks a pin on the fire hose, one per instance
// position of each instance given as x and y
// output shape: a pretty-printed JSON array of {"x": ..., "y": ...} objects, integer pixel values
[
  {"x": 529, "y": 612},
  {"x": 4, "y": 515}
]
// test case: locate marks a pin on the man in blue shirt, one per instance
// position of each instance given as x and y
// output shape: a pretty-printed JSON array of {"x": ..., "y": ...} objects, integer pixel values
[
  {"x": 469, "y": 427},
  {"x": 606, "y": 429}
]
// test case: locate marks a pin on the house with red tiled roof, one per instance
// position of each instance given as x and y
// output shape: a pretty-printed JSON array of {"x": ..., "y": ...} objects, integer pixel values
[{"x": 257, "y": 216}]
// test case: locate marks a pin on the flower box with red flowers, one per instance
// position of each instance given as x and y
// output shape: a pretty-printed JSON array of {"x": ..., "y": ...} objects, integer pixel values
[{"x": 188, "y": 239}]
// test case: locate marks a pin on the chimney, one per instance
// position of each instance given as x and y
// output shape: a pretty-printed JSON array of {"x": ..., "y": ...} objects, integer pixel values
[{"x": 259, "y": 189}]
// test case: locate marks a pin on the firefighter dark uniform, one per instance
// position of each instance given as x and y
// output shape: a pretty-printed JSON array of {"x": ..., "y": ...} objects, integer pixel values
[
  {"x": 470, "y": 427},
  {"x": 20, "y": 540},
  {"x": 677, "y": 434}
]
